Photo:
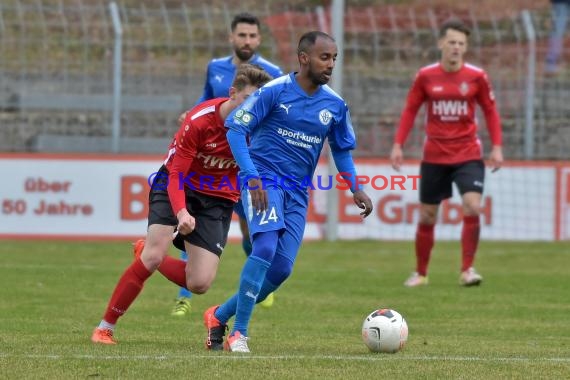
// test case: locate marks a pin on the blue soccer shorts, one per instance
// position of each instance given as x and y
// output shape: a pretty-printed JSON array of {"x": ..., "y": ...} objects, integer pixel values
[{"x": 287, "y": 213}]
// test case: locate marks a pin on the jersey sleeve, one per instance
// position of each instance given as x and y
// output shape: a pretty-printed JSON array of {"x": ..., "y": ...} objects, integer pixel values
[
  {"x": 187, "y": 142},
  {"x": 486, "y": 100},
  {"x": 415, "y": 99},
  {"x": 276, "y": 73},
  {"x": 242, "y": 121},
  {"x": 208, "y": 92},
  {"x": 341, "y": 136},
  {"x": 345, "y": 166},
  {"x": 271, "y": 68}
]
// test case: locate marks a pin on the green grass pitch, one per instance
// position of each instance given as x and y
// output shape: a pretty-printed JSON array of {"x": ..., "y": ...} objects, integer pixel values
[{"x": 515, "y": 326}]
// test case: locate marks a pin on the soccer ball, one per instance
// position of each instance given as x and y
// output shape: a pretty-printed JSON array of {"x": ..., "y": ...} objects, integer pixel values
[{"x": 385, "y": 330}]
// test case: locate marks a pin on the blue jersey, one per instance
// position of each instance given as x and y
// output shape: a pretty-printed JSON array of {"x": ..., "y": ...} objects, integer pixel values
[
  {"x": 221, "y": 71},
  {"x": 287, "y": 128}
]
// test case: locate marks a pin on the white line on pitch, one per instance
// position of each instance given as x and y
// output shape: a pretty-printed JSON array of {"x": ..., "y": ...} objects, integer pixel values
[{"x": 370, "y": 357}]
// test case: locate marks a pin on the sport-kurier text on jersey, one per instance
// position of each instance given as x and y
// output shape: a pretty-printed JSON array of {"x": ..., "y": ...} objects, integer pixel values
[{"x": 287, "y": 127}]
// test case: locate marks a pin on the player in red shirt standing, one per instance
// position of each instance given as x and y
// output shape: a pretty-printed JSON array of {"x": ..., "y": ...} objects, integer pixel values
[
  {"x": 452, "y": 151},
  {"x": 194, "y": 192}
]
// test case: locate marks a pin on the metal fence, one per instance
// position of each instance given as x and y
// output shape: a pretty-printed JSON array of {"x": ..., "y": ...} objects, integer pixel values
[{"x": 57, "y": 73}]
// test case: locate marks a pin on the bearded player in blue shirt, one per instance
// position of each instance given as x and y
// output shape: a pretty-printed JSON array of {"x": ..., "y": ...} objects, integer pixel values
[
  {"x": 245, "y": 38},
  {"x": 287, "y": 122}
]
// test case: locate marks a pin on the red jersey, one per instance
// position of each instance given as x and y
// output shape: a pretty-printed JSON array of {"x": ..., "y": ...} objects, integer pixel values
[
  {"x": 200, "y": 157},
  {"x": 451, "y": 126}
]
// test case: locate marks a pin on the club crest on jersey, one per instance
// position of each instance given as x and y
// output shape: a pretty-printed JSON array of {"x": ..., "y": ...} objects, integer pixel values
[
  {"x": 243, "y": 116},
  {"x": 325, "y": 117},
  {"x": 463, "y": 88}
]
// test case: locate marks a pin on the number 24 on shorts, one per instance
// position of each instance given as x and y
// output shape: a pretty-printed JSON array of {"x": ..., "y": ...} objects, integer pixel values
[{"x": 268, "y": 216}]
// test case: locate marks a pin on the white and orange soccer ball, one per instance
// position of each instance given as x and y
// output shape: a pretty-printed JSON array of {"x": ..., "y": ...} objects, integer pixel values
[{"x": 385, "y": 330}]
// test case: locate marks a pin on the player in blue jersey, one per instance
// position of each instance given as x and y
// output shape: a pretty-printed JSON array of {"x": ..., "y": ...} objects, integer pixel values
[
  {"x": 287, "y": 122},
  {"x": 245, "y": 38}
]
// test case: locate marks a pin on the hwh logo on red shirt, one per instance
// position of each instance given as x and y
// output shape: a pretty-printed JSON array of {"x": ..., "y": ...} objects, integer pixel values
[
  {"x": 219, "y": 162},
  {"x": 450, "y": 108}
]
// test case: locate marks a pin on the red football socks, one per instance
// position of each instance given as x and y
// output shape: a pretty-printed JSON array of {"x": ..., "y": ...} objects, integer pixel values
[
  {"x": 424, "y": 244},
  {"x": 469, "y": 240},
  {"x": 128, "y": 288}
]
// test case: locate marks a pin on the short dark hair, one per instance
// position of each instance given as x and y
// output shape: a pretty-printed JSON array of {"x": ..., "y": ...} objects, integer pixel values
[
  {"x": 455, "y": 24},
  {"x": 250, "y": 75},
  {"x": 308, "y": 39},
  {"x": 245, "y": 18}
]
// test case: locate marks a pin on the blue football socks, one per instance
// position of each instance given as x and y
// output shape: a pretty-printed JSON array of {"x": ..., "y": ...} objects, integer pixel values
[
  {"x": 251, "y": 280},
  {"x": 252, "y": 277},
  {"x": 228, "y": 308},
  {"x": 183, "y": 291}
]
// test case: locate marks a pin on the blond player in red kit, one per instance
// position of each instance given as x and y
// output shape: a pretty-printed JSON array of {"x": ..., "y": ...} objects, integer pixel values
[
  {"x": 452, "y": 151},
  {"x": 194, "y": 192}
]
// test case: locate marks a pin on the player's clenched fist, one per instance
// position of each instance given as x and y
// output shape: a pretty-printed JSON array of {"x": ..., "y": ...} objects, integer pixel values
[{"x": 186, "y": 222}]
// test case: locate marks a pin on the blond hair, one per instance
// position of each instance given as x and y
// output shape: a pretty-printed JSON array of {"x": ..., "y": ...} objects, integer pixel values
[{"x": 250, "y": 75}]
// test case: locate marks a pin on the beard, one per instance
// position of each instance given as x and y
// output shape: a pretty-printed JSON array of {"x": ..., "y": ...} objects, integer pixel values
[
  {"x": 244, "y": 55},
  {"x": 318, "y": 78}
]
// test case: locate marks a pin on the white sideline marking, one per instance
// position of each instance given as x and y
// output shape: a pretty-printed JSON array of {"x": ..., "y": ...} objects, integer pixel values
[{"x": 370, "y": 357}]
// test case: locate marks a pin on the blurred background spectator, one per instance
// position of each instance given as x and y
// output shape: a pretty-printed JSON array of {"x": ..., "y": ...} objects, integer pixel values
[{"x": 560, "y": 10}]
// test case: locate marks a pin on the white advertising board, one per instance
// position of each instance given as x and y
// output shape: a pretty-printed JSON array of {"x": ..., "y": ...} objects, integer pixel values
[{"x": 99, "y": 197}]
